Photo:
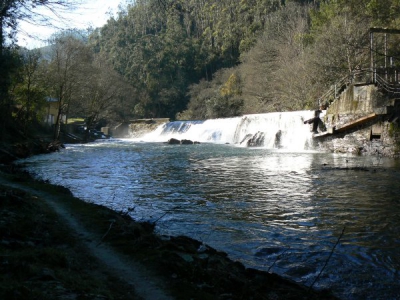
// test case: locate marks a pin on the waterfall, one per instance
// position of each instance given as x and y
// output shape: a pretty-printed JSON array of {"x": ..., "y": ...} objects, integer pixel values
[{"x": 285, "y": 130}]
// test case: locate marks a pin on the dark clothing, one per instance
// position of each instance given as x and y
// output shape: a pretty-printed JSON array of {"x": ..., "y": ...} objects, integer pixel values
[
  {"x": 317, "y": 113},
  {"x": 315, "y": 121}
]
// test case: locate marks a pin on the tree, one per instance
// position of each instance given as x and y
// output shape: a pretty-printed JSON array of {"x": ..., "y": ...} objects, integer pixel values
[
  {"x": 9, "y": 64},
  {"x": 69, "y": 58},
  {"x": 303, "y": 50},
  {"x": 380, "y": 13},
  {"x": 11, "y": 13},
  {"x": 29, "y": 91},
  {"x": 219, "y": 98},
  {"x": 102, "y": 94},
  {"x": 340, "y": 41},
  {"x": 14, "y": 11},
  {"x": 274, "y": 73},
  {"x": 165, "y": 46}
]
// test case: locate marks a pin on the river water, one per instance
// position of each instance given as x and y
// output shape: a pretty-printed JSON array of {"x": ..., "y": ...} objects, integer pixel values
[{"x": 293, "y": 213}]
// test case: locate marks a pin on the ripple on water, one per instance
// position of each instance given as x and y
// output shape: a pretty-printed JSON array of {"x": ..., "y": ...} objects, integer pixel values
[{"x": 276, "y": 211}]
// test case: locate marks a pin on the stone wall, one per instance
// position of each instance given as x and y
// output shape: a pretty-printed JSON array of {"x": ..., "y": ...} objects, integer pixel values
[
  {"x": 354, "y": 103},
  {"x": 360, "y": 142},
  {"x": 375, "y": 130}
]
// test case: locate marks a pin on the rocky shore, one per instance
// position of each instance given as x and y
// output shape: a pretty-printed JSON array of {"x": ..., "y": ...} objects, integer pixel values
[{"x": 55, "y": 246}]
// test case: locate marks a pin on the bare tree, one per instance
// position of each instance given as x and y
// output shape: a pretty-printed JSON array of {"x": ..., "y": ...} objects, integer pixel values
[
  {"x": 12, "y": 12},
  {"x": 69, "y": 57},
  {"x": 101, "y": 93},
  {"x": 340, "y": 47},
  {"x": 273, "y": 72}
]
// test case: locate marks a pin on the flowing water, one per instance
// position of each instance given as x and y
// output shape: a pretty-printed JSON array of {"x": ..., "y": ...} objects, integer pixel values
[{"x": 290, "y": 211}]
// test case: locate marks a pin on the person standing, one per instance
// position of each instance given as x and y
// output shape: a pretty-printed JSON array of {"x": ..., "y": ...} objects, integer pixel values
[{"x": 314, "y": 121}]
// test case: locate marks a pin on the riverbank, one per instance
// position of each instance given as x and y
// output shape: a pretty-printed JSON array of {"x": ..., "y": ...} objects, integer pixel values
[{"x": 55, "y": 246}]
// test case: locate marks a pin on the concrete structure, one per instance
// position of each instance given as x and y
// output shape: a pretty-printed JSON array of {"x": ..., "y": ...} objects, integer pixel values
[
  {"x": 136, "y": 128},
  {"x": 363, "y": 119},
  {"x": 53, "y": 106}
]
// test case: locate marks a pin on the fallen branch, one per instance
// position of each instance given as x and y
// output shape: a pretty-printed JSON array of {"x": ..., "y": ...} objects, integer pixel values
[
  {"x": 155, "y": 222},
  {"x": 329, "y": 257},
  {"x": 277, "y": 258},
  {"x": 109, "y": 228}
]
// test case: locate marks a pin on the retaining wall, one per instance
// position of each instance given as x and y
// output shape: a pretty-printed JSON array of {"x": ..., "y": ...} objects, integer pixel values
[{"x": 375, "y": 117}]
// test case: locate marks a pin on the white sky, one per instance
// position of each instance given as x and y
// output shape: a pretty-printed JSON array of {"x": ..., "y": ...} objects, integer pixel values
[{"x": 93, "y": 13}]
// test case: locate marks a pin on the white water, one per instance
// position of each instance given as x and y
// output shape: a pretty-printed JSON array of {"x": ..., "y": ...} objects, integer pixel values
[{"x": 294, "y": 134}]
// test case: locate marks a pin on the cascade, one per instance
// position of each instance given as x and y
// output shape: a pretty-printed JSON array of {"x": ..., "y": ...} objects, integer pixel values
[{"x": 284, "y": 130}]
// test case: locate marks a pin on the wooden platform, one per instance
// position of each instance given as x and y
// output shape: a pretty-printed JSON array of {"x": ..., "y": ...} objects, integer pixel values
[
  {"x": 345, "y": 127},
  {"x": 322, "y": 134},
  {"x": 355, "y": 123}
]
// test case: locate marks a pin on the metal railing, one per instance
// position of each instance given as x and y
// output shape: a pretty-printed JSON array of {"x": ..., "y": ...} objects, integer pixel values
[
  {"x": 386, "y": 79},
  {"x": 391, "y": 87},
  {"x": 334, "y": 91}
]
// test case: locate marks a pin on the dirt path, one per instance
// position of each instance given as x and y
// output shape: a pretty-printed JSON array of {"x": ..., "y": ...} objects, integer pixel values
[
  {"x": 142, "y": 264},
  {"x": 145, "y": 284}
]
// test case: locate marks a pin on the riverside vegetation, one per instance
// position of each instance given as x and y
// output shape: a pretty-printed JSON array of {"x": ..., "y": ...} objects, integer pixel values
[{"x": 190, "y": 59}]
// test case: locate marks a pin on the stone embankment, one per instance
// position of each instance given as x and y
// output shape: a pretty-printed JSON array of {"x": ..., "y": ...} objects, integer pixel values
[{"x": 362, "y": 120}]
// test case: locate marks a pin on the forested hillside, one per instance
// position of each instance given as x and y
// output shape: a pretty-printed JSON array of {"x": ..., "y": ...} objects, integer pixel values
[
  {"x": 162, "y": 47},
  {"x": 191, "y": 59},
  {"x": 208, "y": 58}
]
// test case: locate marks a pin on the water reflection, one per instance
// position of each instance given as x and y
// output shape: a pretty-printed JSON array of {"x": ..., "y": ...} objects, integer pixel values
[{"x": 277, "y": 211}]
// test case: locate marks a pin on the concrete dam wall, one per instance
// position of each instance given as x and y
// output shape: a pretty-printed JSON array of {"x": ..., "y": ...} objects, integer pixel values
[{"x": 362, "y": 120}]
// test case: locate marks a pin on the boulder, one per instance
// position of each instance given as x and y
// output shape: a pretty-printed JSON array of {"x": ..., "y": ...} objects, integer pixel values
[
  {"x": 173, "y": 141},
  {"x": 186, "y": 142}
]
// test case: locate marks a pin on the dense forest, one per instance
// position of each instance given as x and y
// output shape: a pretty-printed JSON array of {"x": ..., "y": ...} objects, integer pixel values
[{"x": 189, "y": 59}]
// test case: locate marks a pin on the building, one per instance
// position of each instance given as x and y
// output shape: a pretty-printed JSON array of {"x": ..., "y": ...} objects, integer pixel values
[{"x": 53, "y": 105}]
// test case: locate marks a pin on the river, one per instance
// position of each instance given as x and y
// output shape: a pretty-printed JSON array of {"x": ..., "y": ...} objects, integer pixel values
[{"x": 293, "y": 213}]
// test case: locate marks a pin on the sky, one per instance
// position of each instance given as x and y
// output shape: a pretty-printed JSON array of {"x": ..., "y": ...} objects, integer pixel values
[{"x": 93, "y": 13}]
